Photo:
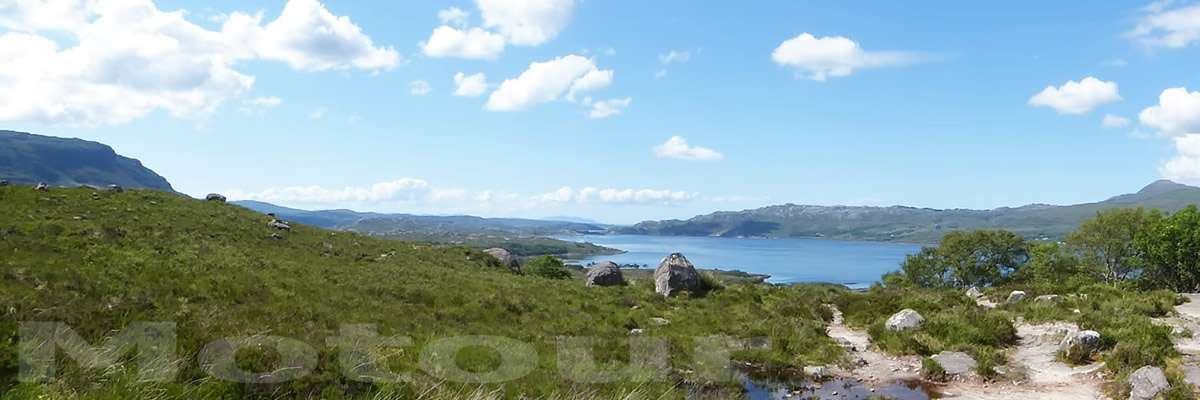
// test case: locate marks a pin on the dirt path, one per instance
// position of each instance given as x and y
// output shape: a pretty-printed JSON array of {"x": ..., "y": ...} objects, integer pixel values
[
  {"x": 1188, "y": 319},
  {"x": 1034, "y": 359}
]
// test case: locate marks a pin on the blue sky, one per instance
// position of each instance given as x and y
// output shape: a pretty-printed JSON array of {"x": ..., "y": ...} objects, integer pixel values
[{"x": 934, "y": 104}]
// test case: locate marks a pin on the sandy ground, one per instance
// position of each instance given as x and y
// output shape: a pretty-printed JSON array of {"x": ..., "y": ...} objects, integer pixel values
[{"x": 1033, "y": 358}]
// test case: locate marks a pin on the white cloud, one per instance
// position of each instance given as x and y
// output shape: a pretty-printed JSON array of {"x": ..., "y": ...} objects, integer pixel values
[
  {"x": 119, "y": 61},
  {"x": 1173, "y": 28},
  {"x": 608, "y": 108},
  {"x": 819, "y": 58},
  {"x": 1114, "y": 121},
  {"x": 1185, "y": 166},
  {"x": 419, "y": 88},
  {"x": 454, "y": 16},
  {"x": 549, "y": 81},
  {"x": 567, "y": 194},
  {"x": 470, "y": 85},
  {"x": 1076, "y": 97},
  {"x": 468, "y": 43},
  {"x": 526, "y": 22},
  {"x": 268, "y": 101},
  {"x": 318, "y": 113},
  {"x": 675, "y": 56},
  {"x": 1177, "y": 112},
  {"x": 678, "y": 148}
]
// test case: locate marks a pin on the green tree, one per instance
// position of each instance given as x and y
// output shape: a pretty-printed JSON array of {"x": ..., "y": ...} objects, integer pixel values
[
  {"x": 1171, "y": 248},
  {"x": 1049, "y": 264},
  {"x": 982, "y": 257},
  {"x": 547, "y": 267},
  {"x": 925, "y": 269},
  {"x": 1109, "y": 241}
]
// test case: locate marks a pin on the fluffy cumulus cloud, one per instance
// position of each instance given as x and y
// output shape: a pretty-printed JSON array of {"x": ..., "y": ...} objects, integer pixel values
[
  {"x": 504, "y": 22},
  {"x": 1185, "y": 166},
  {"x": 1076, "y": 97},
  {"x": 678, "y": 148},
  {"x": 560, "y": 78},
  {"x": 419, "y": 88},
  {"x": 104, "y": 62},
  {"x": 470, "y": 85},
  {"x": 1172, "y": 28},
  {"x": 608, "y": 108},
  {"x": 819, "y": 58},
  {"x": 567, "y": 194},
  {"x": 1114, "y": 121},
  {"x": 1177, "y": 112}
]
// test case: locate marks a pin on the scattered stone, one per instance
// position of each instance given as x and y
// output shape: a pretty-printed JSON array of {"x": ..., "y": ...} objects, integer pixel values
[
  {"x": 974, "y": 292},
  {"x": 659, "y": 321},
  {"x": 506, "y": 258},
  {"x": 115, "y": 188},
  {"x": 272, "y": 215},
  {"x": 1047, "y": 297},
  {"x": 1015, "y": 297},
  {"x": 904, "y": 320},
  {"x": 816, "y": 371},
  {"x": 276, "y": 236},
  {"x": 1147, "y": 382},
  {"x": 1080, "y": 345},
  {"x": 280, "y": 225},
  {"x": 676, "y": 273},
  {"x": 42, "y": 187},
  {"x": 636, "y": 331},
  {"x": 3, "y": 182},
  {"x": 955, "y": 362},
  {"x": 215, "y": 197},
  {"x": 605, "y": 274}
]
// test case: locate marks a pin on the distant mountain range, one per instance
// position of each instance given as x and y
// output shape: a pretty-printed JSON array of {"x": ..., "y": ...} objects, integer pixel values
[
  {"x": 910, "y": 224},
  {"x": 30, "y": 159},
  {"x": 381, "y": 223}
]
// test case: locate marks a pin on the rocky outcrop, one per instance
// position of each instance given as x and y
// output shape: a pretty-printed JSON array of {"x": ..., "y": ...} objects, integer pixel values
[
  {"x": 42, "y": 187},
  {"x": 506, "y": 258},
  {"x": 605, "y": 274},
  {"x": 955, "y": 362},
  {"x": 215, "y": 197},
  {"x": 676, "y": 273},
  {"x": 1147, "y": 382},
  {"x": 974, "y": 292},
  {"x": 115, "y": 188},
  {"x": 1079, "y": 346},
  {"x": 280, "y": 225},
  {"x": 904, "y": 320},
  {"x": 1015, "y": 297},
  {"x": 1048, "y": 298},
  {"x": 3, "y": 182}
]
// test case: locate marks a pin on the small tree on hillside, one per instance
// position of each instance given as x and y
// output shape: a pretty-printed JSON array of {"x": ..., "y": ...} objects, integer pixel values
[
  {"x": 1171, "y": 248},
  {"x": 1109, "y": 241},
  {"x": 983, "y": 257},
  {"x": 547, "y": 267},
  {"x": 925, "y": 269}
]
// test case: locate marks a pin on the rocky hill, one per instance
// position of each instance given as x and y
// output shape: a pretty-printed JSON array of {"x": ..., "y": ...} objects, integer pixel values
[
  {"x": 30, "y": 159},
  {"x": 911, "y": 224}
]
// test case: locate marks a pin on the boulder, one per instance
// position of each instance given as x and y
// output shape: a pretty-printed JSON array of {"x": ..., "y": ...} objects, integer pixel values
[
  {"x": 115, "y": 188},
  {"x": 1147, "y": 382},
  {"x": 215, "y": 197},
  {"x": 42, "y": 187},
  {"x": 676, "y": 273},
  {"x": 605, "y": 274},
  {"x": 3, "y": 182},
  {"x": 1079, "y": 346},
  {"x": 974, "y": 292},
  {"x": 1015, "y": 297},
  {"x": 507, "y": 259},
  {"x": 904, "y": 320},
  {"x": 955, "y": 362},
  {"x": 1047, "y": 297},
  {"x": 280, "y": 225}
]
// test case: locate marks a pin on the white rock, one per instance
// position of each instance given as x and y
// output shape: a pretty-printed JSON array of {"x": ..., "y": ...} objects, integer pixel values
[
  {"x": 904, "y": 320},
  {"x": 955, "y": 362},
  {"x": 974, "y": 292},
  {"x": 1047, "y": 297},
  {"x": 1147, "y": 382},
  {"x": 1015, "y": 297}
]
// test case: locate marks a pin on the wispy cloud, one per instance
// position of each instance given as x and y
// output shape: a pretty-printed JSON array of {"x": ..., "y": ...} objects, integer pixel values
[{"x": 678, "y": 148}]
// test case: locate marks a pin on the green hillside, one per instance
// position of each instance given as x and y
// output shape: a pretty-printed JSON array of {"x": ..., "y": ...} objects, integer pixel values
[
  {"x": 101, "y": 261},
  {"x": 28, "y": 158}
]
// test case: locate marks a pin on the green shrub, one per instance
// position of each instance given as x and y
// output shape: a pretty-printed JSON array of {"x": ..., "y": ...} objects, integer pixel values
[
  {"x": 932, "y": 371},
  {"x": 547, "y": 267}
]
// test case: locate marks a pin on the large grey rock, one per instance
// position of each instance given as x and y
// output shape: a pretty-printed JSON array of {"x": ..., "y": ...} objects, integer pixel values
[
  {"x": 507, "y": 259},
  {"x": 215, "y": 197},
  {"x": 1015, "y": 297},
  {"x": 1079, "y": 346},
  {"x": 280, "y": 225},
  {"x": 816, "y": 371},
  {"x": 955, "y": 362},
  {"x": 1047, "y": 298},
  {"x": 115, "y": 188},
  {"x": 42, "y": 187},
  {"x": 605, "y": 274},
  {"x": 676, "y": 273},
  {"x": 1147, "y": 382},
  {"x": 3, "y": 182},
  {"x": 974, "y": 292},
  {"x": 904, "y": 320}
]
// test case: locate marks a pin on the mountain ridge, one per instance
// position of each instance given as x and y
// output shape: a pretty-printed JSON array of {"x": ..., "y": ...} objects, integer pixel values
[
  {"x": 910, "y": 224},
  {"x": 27, "y": 158}
]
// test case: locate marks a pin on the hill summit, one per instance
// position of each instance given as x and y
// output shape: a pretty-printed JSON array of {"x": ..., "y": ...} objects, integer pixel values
[{"x": 30, "y": 159}]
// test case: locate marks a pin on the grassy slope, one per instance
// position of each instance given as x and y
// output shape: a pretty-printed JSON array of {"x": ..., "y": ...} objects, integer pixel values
[{"x": 101, "y": 261}]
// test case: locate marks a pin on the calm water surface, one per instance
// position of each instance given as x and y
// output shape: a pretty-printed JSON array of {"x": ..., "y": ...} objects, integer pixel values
[{"x": 854, "y": 264}]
